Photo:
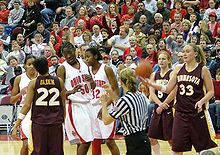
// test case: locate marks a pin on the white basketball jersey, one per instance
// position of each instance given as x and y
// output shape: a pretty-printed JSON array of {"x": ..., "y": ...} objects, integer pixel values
[
  {"x": 100, "y": 79},
  {"x": 23, "y": 85},
  {"x": 76, "y": 77}
]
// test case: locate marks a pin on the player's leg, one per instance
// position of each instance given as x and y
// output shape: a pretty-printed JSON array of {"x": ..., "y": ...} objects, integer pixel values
[
  {"x": 155, "y": 146},
  {"x": 96, "y": 147},
  {"x": 39, "y": 140},
  {"x": 83, "y": 148},
  {"x": 55, "y": 142},
  {"x": 112, "y": 147},
  {"x": 24, "y": 148}
]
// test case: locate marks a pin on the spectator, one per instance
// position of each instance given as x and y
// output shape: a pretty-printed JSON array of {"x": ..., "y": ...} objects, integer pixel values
[
  {"x": 125, "y": 6},
  {"x": 177, "y": 22},
  {"x": 55, "y": 43},
  {"x": 102, "y": 3},
  {"x": 31, "y": 18},
  {"x": 145, "y": 27},
  {"x": 210, "y": 9},
  {"x": 4, "y": 13},
  {"x": 133, "y": 44},
  {"x": 48, "y": 11},
  {"x": 38, "y": 46},
  {"x": 86, "y": 3},
  {"x": 3, "y": 52},
  {"x": 97, "y": 19},
  {"x": 16, "y": 52},
  {"x": 120, "y": 42},
  {"x": 143, "y": 11},
  {"x": 115, "y": 60},
  {"x": 97, "y": 36},
  {"x": 152, "y": 54},
  {"x": 15, "y": 15},
  {"x": 163, "y": 10},
  {"x": 158, "y": 25},
  {"x": 5, "y": 38},
  {"x": 139, "y": 36},
  {"x": 214, "y": 25},
  {"x": 166, "y": 29},
  {"x": 11, "y": 4},
  {"x": 20, "y": 40},
  {"x": 44, "y": 32},
  {"x": 83, "y": 15},
  {"x": 54, "y": 65},
  {"x": 150, "y": 5},
  {"x": 179, "y": 9},
  {"x": 56, "y": 30},
  {"x": 70, "y": 19}
]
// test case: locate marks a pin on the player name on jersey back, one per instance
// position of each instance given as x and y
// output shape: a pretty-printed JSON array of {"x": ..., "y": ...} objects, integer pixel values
[{"x": 47, "y": 82}]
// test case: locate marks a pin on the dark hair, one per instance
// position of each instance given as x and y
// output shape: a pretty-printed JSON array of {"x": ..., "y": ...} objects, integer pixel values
[
  {"x": 54, "y": 56},
  {"x": 94, "y": 51},
  {"x": 41, "y": 65},
  {"x": 68, "y": 48},
  {"x": 11, "y": 58},
  {"x": 28, "y": 57}
]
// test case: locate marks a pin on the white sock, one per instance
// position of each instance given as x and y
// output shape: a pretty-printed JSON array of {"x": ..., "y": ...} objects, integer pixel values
[
  {"x": 172, "y": 152},
  {"x": 156, "y": 149}
]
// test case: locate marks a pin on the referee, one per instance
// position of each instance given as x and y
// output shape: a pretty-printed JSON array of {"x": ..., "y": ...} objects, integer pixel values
[{"x": 131, "y": 109}]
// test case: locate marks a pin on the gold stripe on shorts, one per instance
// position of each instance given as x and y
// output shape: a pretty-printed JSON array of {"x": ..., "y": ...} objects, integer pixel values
[
  {"x": 210, "y": 126},
  {"x": 30, "y": 142}
]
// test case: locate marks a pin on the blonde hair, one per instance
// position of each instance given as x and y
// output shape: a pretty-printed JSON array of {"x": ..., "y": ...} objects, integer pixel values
[
  {"x": 200, "y": 58},
  {"x": 128, "y": 77},
  {"x": 167, "y": 55}
]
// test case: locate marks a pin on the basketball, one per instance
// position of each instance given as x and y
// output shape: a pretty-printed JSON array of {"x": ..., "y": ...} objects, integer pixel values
[{"x": 144, "y": 69}]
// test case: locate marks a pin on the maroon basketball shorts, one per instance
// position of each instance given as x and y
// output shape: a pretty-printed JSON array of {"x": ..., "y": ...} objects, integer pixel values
[
  {"x": 192, "y": 129},
  {"x": 46, "y": 140},
  {"x": 161, "y": 125}
]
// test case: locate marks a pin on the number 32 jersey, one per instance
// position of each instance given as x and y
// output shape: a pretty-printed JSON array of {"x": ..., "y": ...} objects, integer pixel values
[
  {"x": 100, "y": 79},
  {"x": 190, "y": 89},
  {"x": 47, "y": 108}
]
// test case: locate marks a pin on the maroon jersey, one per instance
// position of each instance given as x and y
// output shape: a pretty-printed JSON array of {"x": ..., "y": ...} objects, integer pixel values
[
  {"x": 162, "y": 81},
  {"x": 190, "y": 89},
  {"x": 47, "y": 107}
]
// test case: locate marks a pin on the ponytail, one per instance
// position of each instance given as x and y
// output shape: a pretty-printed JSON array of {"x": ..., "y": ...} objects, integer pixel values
[{"x": 128, "y": 78}]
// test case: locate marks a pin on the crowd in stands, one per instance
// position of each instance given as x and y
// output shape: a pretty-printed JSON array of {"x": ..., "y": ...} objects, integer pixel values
[{"x": 126, "y": 32}]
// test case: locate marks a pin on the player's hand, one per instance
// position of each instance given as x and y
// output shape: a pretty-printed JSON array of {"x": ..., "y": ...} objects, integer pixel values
[
  {"x": 159, "y": 110},
  {"x": 104, "y": 99},
  {"x": 77, "y": 89},
  {"x": 99, "y": 116},
  {"x": 164, "y": 106},
  {"x": 198, "y": 106},
  {"x": 88, "y": 78},
  {"x": 14, "y": 132},
  {"x": 145, "y": 81}
]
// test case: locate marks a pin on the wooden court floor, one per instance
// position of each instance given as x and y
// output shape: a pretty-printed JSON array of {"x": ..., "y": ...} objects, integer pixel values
[{"x": 11, "y": 147}]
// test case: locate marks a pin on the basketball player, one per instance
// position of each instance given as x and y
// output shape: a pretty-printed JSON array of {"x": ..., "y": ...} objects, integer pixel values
[
  {"x": 79, "y": 85},
  {"x": 162, "y": 119},
  {"x": 102, "y": 74},
  {"x": 192, "y": 124},
  {"x": 18, "y": 93},
  {"x": 46, "y": 98},
  {"x": 131, "y": 109}
]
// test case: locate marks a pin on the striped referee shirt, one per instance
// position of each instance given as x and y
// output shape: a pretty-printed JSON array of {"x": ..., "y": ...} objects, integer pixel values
[{"x": 131, "y": 109}]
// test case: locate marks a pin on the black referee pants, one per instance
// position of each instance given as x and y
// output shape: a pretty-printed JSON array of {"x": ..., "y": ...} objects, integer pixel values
[{"x": 138, "y": 144}]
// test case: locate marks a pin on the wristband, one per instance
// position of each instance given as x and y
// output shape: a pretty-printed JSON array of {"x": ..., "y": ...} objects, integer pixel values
[
  {"x": 163, "y": 88},
  {"x": 21, "y": 116}
]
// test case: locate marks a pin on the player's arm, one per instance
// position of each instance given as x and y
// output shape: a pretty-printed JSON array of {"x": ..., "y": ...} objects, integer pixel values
[
  {"x": 63, "y": 96},
  {"x": 26, "y": 107},
  {"x": 106, "y": 117},
  {"x": 209, "y": 88},
  {"x": 171, "y": 84},
  {"x": 15, "y": 95},
  {"x": 153, "y": 96},
  {"x": 113, "y": 82}
]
